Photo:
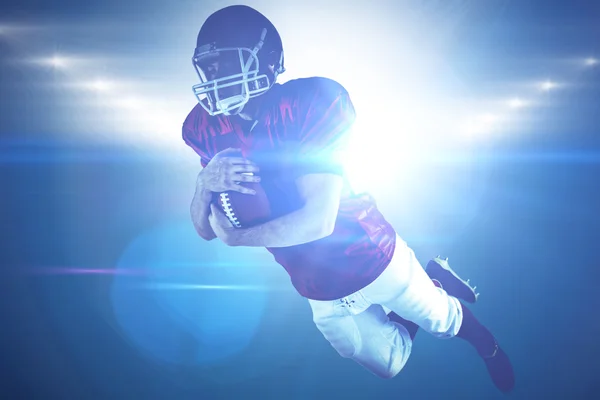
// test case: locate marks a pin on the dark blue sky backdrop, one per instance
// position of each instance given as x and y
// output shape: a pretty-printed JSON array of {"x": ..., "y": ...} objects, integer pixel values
[{"x": 94, "y": 231}]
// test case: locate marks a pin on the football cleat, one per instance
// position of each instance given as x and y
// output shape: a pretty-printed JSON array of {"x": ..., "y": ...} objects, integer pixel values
[{"x": 439, "y": 269}]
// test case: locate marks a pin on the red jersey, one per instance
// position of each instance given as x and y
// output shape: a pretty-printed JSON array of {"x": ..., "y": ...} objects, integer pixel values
[{"x": 302, "y": 124}]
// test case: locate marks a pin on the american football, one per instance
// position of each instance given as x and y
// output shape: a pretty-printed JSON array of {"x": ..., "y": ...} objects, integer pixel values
[{"x": 244, "y": 210}]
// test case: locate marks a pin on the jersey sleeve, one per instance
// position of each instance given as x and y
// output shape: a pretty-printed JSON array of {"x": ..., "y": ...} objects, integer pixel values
[
  {"x": 192, "y": 140},
  {"x": 325, "y": 131}
]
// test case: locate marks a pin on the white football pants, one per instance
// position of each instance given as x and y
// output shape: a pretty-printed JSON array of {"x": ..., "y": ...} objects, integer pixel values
[{"x": 358, "y": 327}]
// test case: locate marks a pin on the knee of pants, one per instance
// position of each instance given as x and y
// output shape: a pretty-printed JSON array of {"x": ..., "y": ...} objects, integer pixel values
[
  {"x": 342, "y": 334},
  {"x": 391, "y": 371},
  {"x": 440, "y": 329},
  {"x": 386, "y": 356},
  {"x": 386, "y": 366},
  {"x": 447, "y": 326},
  {"x": 345, "y": 348},
  {"x": 368, "y": 338}
]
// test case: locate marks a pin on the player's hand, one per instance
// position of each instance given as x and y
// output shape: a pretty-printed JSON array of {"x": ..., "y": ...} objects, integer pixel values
[
  {"x": 226, "y": 171},
  {"x": 222, "y": 227}
]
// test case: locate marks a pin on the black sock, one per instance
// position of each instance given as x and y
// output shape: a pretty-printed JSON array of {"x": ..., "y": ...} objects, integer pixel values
[{"x": 476, "y": 334}]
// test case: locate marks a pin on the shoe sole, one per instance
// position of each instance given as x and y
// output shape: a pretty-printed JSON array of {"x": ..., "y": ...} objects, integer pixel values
[{"x": 455, "y": 286}]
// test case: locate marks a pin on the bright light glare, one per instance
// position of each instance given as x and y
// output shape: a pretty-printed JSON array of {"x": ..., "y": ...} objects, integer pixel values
[
  {"x": 547, "y": 85},
  {"x": 185, "y": 286},
  {"x": 480, "y": 124},
  {"x": 58, "y": 62},
  {"x": 516, "y": 103},
  {"x": 129, "y": 102},
  {"x": 590, "y": 61},
  {"x": 100, "y": 85}
]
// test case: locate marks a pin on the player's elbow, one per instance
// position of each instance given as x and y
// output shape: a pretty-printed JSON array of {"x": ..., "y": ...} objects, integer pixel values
[
  {"x": 317, "y": 233},
  {"x": 324, "y": 222},
  {"x": 202, "y": 227},
  {"x": 204, "y": 232},
  {"x": 321, "y": 193},
  {"x": 207, "y": 235},
  {"x": 328, "y": 225}
]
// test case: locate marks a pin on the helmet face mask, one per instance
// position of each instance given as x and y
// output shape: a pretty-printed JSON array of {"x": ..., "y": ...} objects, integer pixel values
[
  {"x": 229, "y": 66},
  {"x": 237, "y": 79}
]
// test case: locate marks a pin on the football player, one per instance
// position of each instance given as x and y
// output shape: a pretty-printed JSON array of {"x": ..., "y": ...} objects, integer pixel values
[{"x": 366, "y": 288}]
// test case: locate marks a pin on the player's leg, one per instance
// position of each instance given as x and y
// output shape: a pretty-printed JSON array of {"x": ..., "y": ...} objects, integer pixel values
[
  {"x": 410, "y": 326},
  {"x": 366, "y": 336},
  {"x": 406, "y": 289},
  {"x": 444, "y": 277}
]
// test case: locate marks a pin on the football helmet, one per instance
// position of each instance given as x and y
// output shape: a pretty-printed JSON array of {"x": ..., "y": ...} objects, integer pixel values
[{"x": 238, "y": 56}]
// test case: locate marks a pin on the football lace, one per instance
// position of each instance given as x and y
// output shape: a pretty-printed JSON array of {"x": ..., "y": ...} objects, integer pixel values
[{"x": 228, "y": 210}]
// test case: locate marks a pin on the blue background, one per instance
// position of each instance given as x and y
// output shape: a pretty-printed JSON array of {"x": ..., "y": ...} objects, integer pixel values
[{"x": 531, "y": 247}]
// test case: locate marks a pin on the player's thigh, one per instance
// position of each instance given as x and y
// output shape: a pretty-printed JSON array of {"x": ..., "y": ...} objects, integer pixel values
[
  {"x": 369, "y": 337},
  {"x": 405, "y": 288},
  {"x": 337, "y": 326}
]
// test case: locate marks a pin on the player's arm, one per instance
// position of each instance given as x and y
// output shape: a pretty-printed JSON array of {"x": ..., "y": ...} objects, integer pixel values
[
  {"x": 219, "y": 175},
  {"x": 315, "y": 220},
  {"x": 200, "y": 210},
  {"x": 318, "y": 171}
]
